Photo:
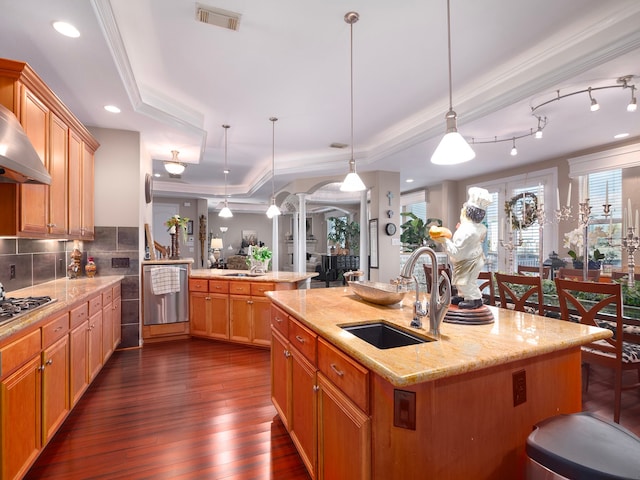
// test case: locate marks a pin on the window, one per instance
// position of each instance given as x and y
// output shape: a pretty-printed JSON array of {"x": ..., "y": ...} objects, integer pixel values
[
  {"x": 606, "y": 187},
  {"x": 415, "y": 203},
  {"x": 500, "y": 258}
]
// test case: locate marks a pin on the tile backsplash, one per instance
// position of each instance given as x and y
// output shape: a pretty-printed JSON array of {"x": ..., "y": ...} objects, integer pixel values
[{"x": 39, "y": 261}]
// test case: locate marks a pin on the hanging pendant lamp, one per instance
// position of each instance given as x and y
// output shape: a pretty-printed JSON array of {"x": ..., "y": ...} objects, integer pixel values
[
  {"x": 453, "y": 148},
  {"x": 226, "y": 211},
  {"x": 352, "y": 182},
  {"x": 273, "y": 210}
]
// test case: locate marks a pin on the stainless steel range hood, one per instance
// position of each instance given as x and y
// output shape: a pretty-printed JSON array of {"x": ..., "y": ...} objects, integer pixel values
[{"x": 19, "y": 161}]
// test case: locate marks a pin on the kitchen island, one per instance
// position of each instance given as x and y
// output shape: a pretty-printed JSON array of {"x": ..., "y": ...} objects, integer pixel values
[
  {"x": 231, "y": 305},
  {"x": 459, "y": 406}
]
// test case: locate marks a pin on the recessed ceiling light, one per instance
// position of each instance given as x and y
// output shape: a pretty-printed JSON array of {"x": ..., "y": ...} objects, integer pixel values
[
  {"x": 112, "y": 108},
  {"x": 621, "y": 135},
  {"x": 157, "y": 175},
  {"x": 409, "y": 180},
  {"x": 66, "y": 29}
]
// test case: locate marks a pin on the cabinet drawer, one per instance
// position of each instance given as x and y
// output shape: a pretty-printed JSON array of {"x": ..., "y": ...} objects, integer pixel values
[
  {"x": 55, "y": 329},
  {"x": 95, "y": 305},
  {"x": 79, "y": 315},
  {"x": 18, "y": 352},
  {"x": 198, "y": 285},
  {"x": 218, "y": 286},
  {"x": 258, "y": 288},
  {"x": 280, "y": 320},
  {"x": 348, "y": 375},
  {"x": 239, "y": 288},
  {"x": 303, "y": 339},
  {"x": 107, "y": 296}
]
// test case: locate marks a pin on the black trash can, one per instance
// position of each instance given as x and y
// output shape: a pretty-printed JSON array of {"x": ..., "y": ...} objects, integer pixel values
[{"x": 582, "y": 446}]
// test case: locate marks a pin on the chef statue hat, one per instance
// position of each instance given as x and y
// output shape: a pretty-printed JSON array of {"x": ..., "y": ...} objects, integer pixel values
[{"x": 479, "y": 198}]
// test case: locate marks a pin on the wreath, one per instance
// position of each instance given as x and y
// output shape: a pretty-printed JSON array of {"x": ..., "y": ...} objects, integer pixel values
[{"x": 522, "y": 209}]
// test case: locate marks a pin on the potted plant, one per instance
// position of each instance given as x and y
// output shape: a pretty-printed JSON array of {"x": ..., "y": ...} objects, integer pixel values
[
  {"x": 415, "y": 232},
  {"x": 259, "y": 258},
  {"x": 575, "y": 242},
  {"x": 344, "y": 235}
]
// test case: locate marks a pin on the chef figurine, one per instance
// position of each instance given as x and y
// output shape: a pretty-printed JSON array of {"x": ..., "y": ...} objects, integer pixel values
[{"x": 465, "y": 249}]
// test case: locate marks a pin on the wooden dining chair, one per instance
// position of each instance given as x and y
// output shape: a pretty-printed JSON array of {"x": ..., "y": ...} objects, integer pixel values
[
  {"x": 620, "y": 352},
  {"x": 486, "y": 279},
  {"x": 524, "y": 270},
  {"x": 441, "y": 269},
  {"x": 577, "y": 274},
  {"x": 530, "y": 293}
]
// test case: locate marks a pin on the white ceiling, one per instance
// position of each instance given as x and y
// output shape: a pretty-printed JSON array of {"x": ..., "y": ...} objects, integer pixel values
[{"x": 178, "y": 80}]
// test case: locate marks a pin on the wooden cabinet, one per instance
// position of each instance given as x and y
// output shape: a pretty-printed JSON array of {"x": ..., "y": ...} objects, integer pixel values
[
  {"x": 57, "y": 166},
  {"x": 43, "y": 373},
  {"x": 117, "y": 315},
  {"x": 94, "y": 353},
  {"x": 107, "y": 324},
  {"x": 21, "y": 419},
  {"x": 79, "y": 352},
  {"x": 322, "y": 397},
  {"x": 250, "y": 312},
  {"x": 209, "y": 308},
  {"x": 63, "y": 209}
]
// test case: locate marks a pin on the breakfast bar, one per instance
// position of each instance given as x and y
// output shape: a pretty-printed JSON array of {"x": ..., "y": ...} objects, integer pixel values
[{"x": 457, "y": 406}]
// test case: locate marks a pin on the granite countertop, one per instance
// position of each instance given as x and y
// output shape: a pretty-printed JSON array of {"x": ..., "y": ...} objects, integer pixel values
[
  {"x": 167, "y": 261},
  {"x": 276, "y": 277},
  {"x": 460, "y": 349},
  {"x": 66, "y": 293}
]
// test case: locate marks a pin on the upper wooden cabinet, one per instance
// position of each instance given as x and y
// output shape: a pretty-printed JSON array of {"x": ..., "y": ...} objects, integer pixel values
[{"x": 64, "y": 209}]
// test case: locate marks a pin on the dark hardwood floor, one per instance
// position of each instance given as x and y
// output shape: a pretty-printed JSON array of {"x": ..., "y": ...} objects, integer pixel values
[
  {"x": 196, "y": 409},
  {"x": 186, "y": 409}
]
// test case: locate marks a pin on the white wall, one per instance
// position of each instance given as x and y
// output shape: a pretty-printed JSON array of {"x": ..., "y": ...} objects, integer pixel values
[{"x": 119, "y": 190}]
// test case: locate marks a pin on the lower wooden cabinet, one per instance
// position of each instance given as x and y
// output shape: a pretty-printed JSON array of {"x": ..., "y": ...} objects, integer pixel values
[
  {"x": 237, "y": 311},
  {"x": 46, "y": 370},
  {"x": 330, "y": 428},
  {"x": 21, "y": 419}
]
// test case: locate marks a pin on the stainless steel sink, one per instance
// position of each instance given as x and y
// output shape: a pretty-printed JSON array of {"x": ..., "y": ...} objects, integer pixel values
[
  {"x": 382, "y": 335},
  {"x": 243, "y": 274}
]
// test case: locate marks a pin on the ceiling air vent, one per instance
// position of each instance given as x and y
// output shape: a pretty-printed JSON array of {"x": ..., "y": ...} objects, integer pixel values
[
  {"x": 338, "y": 145},
  {"x": 218, "y": 17}
]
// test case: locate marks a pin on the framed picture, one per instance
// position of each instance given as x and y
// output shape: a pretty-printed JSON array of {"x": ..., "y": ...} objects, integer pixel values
[
  {"x": 373, "y": 243},
  {"x": 190, "y": 227},
  {"x": 249, "y": 237}
]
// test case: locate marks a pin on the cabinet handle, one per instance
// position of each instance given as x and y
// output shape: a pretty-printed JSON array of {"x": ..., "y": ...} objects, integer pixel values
[
  {"x": 316, "y": 388},
  {"x": 49, "y": 362},
  {"x": 278, "y": 319},
  {"x": 250, "y": 302},
  {"x": 299, "y": 338},
  {"x": 207, "y": 298},
  {"x": 340, "y": 373},
  {"x": 287, "y": 353},
  {"x": 41, "y": 368},
  {"x": 51, "y": 225},
  {"x": 58, "y": 329}
]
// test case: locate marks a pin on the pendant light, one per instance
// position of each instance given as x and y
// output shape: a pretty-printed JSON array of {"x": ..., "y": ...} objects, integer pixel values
[
  {"x": 174, "y": 167},
  {"x": 352, "y": 182},
  {"x": 453, "y": 148},
  {"x": 225, "y": 212},
  {"x": 273, "y": 210}
]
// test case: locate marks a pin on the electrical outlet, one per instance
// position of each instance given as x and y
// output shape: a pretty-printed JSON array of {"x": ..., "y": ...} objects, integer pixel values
[
  {"x": 519, "y": 387},
  {"x": 12, "y": 272}
]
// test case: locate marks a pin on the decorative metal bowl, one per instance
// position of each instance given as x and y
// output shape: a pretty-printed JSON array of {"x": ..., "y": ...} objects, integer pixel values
[{"x": 377, "y": 292}]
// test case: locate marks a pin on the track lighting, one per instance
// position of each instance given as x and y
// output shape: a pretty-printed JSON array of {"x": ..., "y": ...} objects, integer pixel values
[
  {"x": 514, "y": 150},
  {"x": 538, "y": 133},
  {"x": 595, "y": 106}
]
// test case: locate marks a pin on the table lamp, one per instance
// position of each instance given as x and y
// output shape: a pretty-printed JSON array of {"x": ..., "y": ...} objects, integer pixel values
[{"x": 216, "y": 245}]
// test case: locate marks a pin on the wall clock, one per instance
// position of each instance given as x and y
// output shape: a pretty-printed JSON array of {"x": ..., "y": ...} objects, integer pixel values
[
  {"x": 148, "y": 187},
  {"x": 390, "y": 228}
]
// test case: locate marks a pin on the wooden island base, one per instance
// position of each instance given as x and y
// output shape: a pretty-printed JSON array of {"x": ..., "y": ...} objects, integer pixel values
[{"x": 467, "y": 425}]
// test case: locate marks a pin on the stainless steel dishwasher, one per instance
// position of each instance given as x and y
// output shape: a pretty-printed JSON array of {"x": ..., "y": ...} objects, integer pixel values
[{"x": 170, "y": 307}]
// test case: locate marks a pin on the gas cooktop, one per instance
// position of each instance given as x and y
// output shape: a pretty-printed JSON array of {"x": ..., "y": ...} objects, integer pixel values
[{"x": 13, "y": 308}]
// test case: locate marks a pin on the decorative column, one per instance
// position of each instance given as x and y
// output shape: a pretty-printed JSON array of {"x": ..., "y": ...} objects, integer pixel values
[
  {"x": 364, "y": 236},
  {"x": 301, "y": 245},
  {"x": 275, "y": 245}
]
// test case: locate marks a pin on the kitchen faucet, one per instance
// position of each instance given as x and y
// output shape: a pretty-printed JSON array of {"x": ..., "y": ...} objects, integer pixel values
[{"x": 438, "y": 305}]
